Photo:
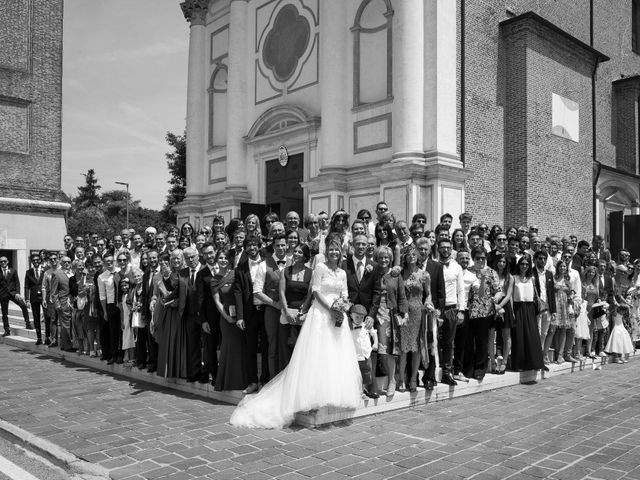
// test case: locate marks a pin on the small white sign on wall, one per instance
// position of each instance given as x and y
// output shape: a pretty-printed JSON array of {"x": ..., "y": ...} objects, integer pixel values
[{"x": 565, "y": 118}]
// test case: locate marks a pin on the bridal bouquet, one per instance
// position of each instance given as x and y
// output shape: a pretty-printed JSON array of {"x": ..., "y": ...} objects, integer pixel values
[{"x": 339, "y": 310}]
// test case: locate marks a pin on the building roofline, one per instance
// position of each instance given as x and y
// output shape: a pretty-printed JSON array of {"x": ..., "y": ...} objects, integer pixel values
[
  {"x": 600, "y": 57},
  {"x": 631, "y": 79}
]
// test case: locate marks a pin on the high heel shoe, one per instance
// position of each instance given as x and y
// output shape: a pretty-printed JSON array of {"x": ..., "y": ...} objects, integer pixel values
[
  {"x": 413, "y": 386},
  {"x": 391, "y": 389}
]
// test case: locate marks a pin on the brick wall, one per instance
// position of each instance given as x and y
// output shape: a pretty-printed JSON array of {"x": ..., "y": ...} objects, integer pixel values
[
  {"x": 34, "y": 79},
  {"x": 502, "y": 142},
  {"x": 612, "y": 36}
]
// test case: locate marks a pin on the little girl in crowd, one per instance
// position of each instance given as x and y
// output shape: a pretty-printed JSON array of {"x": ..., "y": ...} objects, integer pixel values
[{"x": 619, "y": 343}]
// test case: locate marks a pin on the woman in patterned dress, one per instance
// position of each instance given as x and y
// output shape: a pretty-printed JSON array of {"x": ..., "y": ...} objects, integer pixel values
[
  {"x": 390, "y": 311},
  {"x": 561, "y": 320},
  {"x": 418, "y": 292}
]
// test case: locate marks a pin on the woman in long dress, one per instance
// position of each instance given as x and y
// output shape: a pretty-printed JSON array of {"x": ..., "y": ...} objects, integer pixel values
[
  {"x": 323, "y": 370},
  {"x": 232, "y": 363},
  {"x": 526, "y": 353},
  {"x": 170, "y": 329}
]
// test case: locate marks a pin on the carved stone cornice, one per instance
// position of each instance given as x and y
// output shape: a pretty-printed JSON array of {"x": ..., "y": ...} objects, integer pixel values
[
  {"x": 515, "y": 29},
  {"x": 195, "y": 11}
]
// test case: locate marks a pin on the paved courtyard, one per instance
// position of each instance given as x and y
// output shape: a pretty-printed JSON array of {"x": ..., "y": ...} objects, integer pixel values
[{"x": 583, "y": 425}]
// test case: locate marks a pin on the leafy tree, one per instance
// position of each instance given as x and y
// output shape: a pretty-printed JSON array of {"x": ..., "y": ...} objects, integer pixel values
[
  {"x": 88, "y": 193},
  {"x": 107, "y": 216},
  {"x": 177, "y": 163}
]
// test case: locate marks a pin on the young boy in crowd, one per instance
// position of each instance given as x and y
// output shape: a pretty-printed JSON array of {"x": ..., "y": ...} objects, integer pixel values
[{"x": 365, "y": 341}]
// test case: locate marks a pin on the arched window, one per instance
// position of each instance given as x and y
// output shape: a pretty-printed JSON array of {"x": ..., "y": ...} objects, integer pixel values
[
  {"x": 218, "y": 107},
  {"x": 372, "y": 42}
]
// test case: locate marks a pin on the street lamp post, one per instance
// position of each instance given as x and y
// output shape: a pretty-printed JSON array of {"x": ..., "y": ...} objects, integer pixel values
[{"x": 126, "y": 185}]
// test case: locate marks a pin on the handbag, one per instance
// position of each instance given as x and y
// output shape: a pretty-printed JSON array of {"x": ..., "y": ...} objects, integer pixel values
[
  {"x": 81, "y": 302},
  {"x": 295, "y": 313},
  {"x": 136, "y": 320}
]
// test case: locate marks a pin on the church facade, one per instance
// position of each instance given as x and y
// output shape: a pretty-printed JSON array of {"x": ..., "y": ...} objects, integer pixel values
[
  {"x": 32, "y": 204},
  {"x": 518, "y": 112}
]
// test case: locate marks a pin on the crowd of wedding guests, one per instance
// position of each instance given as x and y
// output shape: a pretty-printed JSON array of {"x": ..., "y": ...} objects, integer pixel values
[{"x": 207, "y": 305}]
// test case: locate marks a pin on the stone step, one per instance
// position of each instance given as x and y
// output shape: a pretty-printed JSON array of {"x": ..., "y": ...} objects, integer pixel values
[
  {"x": 325, "y": 415},
  {"x": 441, "y": 392}
]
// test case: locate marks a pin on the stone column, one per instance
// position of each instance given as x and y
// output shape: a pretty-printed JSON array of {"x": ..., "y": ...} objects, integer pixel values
[
  {"x": 440, "y": 109},
  {"x": 408, "y": 72},
  {"x": 237, "y": 95},
  {"x": 334, "y": 87},
  {"x": 195, "y": 12}
]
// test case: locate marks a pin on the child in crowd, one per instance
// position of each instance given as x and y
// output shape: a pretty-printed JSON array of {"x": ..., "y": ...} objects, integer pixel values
[
  {"x": 365, "y": 341},
  {"x": 619, "y": 343},
  {"x": 128, "y": 338}
]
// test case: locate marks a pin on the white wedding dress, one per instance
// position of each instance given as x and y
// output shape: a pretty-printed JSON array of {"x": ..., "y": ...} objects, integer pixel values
[{"x": 323, "y": 370}]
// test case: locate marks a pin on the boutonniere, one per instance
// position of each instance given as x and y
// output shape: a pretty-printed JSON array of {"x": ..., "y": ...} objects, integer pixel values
[{"x": 368, "y": 268}]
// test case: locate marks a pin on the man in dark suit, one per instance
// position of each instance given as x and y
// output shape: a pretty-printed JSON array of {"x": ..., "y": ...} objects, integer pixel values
[
  {"x": 361, "y": 275},
  {"x": 146, "y": 346},
  {"x": 33, "y": 292},
  {"x": 363, "y": 287},
  {"x": 191, "y": 314},
  {"x": 546, "y": 292},
  {"x": 209, "y": 313},
  {"x": 10, "y": 290},
  {"x": 438, "y": 297},
  {"x": 250, "y": 313}
]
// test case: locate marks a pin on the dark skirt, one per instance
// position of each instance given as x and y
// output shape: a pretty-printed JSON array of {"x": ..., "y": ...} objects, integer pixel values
[
  {"x": 507, "y": 320},
  {"x": 172, "y": 343},
  {"x": 526, "y": 351},
  {"x": 232, "y": 363}
]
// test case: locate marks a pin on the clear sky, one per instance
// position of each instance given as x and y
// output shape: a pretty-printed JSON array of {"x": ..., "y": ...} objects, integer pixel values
[{"x": 124, "y": 86}]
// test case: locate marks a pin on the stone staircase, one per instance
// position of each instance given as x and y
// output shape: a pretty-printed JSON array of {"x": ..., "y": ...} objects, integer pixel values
[{"x": 25, "y": 339}]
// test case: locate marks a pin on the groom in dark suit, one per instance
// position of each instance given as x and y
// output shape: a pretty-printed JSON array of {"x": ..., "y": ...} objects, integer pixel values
[
  {"x": 361, "y": 275},
  {"x": 363, "y": 287}
]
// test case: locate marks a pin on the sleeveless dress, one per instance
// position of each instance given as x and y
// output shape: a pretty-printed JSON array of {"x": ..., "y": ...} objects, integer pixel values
[
  {"x": 619, "y": 338},
  {"x": 415, "y": 287},
  {"x": 323, "y": 370},
  {"x": 232, "y": 362},
  {"x": 562, "y": 318},
  {"x": 171, "y": 332},
  {"x": 507, "y": 320},
  {"x": 526, "y": 351}
]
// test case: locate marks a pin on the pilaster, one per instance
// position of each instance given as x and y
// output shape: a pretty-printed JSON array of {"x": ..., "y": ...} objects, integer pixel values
[
  {"x": 334, "y": 83},
  {"x": 237, "y": 96},
  {"x": 195, "y": 12},
  {"x": 440, "y": 74},
  {"x": 408, "y": 80}
]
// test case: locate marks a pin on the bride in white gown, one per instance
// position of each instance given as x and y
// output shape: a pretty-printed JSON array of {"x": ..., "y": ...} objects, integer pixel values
[{"x": 324, "y": 368}]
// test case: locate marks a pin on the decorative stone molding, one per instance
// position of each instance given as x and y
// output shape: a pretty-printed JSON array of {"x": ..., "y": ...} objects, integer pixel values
[
  {"x": 517, "y": 28},
  {"x": 195, "y": 11}
]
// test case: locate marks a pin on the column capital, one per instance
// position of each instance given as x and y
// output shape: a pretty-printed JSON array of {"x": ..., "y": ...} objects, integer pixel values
[{"x": 195, "y": 11}]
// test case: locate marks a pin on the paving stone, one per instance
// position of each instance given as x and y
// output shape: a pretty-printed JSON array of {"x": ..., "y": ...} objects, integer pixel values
[{"x": 567, "y": 436}]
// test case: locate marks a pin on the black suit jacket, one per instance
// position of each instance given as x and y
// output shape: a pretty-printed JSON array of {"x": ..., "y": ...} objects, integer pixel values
[
  {"x": 367, "y": 290},
  {"x": 206, "y": 304},
  {"x": 9, "y": 285},
  {"x": 33, "y": 285},
  {"x": 191, "y": 306},
  {"x": 438, "y": 288},
  {"x": 145, "y": 297},
  {"x": 550, "y": 287},
  {"x": 243, "y": 290}
]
